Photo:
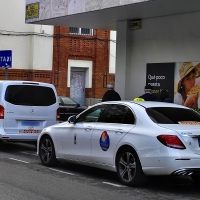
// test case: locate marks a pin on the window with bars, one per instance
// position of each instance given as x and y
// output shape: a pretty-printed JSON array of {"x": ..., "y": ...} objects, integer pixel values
[{"x": 81, "y": 31}]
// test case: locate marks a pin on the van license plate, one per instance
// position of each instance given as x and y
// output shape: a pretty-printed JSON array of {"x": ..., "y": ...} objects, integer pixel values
[{"x": 30, "y": 123}]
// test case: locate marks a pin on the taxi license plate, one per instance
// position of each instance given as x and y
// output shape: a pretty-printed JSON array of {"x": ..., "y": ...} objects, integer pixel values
[{"x": 30, "y": 131}]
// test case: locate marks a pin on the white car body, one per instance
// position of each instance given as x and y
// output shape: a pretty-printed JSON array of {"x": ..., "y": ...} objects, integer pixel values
[
  {"x": 81, "y": 142},
  {"x": 26, "y": 108}
]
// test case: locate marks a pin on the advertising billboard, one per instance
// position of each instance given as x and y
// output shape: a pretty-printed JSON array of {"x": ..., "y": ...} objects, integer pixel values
[{"x": 180, "y": 79}]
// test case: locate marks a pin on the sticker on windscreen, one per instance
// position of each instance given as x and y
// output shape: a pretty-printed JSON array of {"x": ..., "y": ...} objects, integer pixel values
[
  {"x": 189, "y": 122},
  {"x": 104, "y": 141}
]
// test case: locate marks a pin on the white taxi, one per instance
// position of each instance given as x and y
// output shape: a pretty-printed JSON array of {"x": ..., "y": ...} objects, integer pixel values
[{"x": 134, "y": 139}]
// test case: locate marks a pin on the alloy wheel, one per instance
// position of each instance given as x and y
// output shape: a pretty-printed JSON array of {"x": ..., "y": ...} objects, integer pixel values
[
  {"x": 127, "y": 166},
  {"x": 46, "y": 150}
]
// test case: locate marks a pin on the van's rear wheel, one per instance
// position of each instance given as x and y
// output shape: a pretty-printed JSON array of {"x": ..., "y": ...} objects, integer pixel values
[{"x": 47, "y": 152}]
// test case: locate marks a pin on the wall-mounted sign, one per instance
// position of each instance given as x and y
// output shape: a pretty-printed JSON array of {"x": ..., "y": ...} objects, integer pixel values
[
  {"x": 32, "y": 11},
  {"x": 161, "y": 77},
  {"x": 5, "y": 59},
  {"x": 187, "y": 84},
  {"x": 180, "y": 79}
]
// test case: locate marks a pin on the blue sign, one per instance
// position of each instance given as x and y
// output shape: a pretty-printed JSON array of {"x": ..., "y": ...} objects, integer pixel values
[
  {"x": 104, "y": 141},
  {"x": 6, "y": 59}
]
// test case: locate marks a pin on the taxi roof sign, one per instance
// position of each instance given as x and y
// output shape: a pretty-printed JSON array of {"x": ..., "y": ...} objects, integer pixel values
[{"x": 138, "y": 99}]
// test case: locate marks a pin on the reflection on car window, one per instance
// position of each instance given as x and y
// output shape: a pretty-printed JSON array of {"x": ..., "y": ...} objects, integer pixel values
[
  {"x": 91, "y": 115},
  {"x": 119, "y": 114},
  {"x": 129, "y": 117},
  {"x": 169, "y": 115},
  {"x": 158, "y": 117},
  {"x": 68, "y": 102},
  {"x": 59, "y": 101}
]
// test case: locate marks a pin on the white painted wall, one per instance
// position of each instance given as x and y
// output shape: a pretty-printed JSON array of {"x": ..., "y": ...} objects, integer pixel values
[
  {"x": 112, "y": 60},
  {"x": 163, "y": 39},
  {"x": 28, "y": 52},
  {"x": 43, "y": 48}
]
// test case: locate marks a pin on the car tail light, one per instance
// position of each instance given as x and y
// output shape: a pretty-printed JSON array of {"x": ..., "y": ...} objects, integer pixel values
[
  {"x": 171, "y": 141},
  {"x": 1, "y": 112},
  {"x": 58, "y": 115}
]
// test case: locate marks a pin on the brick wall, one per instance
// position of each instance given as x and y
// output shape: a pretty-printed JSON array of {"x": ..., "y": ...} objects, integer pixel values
[
  {"x": 27, "y": 75},
  {"x": 79, "y": 47}
]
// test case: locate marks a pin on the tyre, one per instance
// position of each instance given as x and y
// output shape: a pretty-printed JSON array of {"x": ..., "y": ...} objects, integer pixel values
[
  {"x": 47, "y": 152},
  {"x": 129, "y": 169},
  {"x": 196, "y": 178}
]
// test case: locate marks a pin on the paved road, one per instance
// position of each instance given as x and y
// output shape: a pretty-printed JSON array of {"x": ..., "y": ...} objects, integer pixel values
[{"x": 23, "y": 177}]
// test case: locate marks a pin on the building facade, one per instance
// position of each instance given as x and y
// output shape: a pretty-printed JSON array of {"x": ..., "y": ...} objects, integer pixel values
[
  {"x": 31, "y": 45},
  {"x": 87, "y": 53},
  {"x": 169, "y": 33},
  {"x": 49, "y": 54}
]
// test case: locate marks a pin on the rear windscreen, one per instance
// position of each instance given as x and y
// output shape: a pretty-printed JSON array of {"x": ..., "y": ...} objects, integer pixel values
[
  {"x": 29, "y": 95},
  {"x": 169, "y": 115}
]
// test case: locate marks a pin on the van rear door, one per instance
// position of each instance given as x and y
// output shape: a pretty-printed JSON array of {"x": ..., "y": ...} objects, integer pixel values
[{"x": 29, "y": 107}]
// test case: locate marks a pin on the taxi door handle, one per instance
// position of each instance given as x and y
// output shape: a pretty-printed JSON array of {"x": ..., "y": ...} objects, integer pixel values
[
  {"x": 89, "y": 128},
  {"x": 119, "y": 131}
]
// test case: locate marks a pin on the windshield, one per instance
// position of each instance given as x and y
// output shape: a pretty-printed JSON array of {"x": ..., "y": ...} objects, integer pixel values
[{"x": 169, "y": 115}]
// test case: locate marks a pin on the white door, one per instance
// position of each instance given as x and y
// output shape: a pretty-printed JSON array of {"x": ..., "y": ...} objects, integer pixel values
[
  {"x": 117, "y": 122},
  {"x": 76, "y": 140}
]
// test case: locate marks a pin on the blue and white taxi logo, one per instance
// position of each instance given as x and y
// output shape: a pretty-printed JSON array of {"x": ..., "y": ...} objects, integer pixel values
[{"x": 104, "y": 141}]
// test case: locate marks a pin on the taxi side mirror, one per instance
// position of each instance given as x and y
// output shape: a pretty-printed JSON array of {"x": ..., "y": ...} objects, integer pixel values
[{"x": 72, "y": 119}]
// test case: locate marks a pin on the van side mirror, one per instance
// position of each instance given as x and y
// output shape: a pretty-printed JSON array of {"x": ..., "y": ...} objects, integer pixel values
[{"x": 72, "y": 119}]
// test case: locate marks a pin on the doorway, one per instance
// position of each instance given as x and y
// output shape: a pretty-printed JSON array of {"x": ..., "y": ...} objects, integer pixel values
[{"x": 77, "y": 86}]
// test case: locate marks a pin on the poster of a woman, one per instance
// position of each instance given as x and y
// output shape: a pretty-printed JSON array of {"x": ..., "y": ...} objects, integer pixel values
[{"x": 187, "y": 84}]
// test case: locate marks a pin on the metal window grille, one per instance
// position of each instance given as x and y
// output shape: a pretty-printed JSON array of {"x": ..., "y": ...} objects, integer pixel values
[
  {"x": 81, "y": 31},
  {"x": 74, "y": 30}
]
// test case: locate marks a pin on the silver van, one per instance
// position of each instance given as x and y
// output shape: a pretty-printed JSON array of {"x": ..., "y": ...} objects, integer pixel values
[{"x": 26, "y": 107}]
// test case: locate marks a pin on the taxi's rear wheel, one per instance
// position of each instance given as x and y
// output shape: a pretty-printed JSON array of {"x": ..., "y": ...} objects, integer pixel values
[
  {"x": 47, "y": 152},
  {"x": 196, "y": 178},
  {"x": 129, "y": 169}
]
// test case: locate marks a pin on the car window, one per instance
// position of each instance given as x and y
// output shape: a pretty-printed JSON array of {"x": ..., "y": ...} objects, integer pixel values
[
  {"x": 68, "y": 102},
  {"x": 169, "y": 115},
  {"x": 119, "y": 114},
  {"x": 91, "y": 115},
  {"x": 129, "y": 117},
  {"x": 29, "y": 95},
  {"x": 59, "y": 100}
]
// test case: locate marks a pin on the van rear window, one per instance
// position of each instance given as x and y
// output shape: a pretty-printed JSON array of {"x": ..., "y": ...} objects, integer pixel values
[{"x": 29, "y": 95}]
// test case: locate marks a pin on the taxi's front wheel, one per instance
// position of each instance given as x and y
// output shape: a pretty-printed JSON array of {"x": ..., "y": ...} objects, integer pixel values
[
  {"x": 47, "y": 152},
  {"x": 129, "y": 169}
]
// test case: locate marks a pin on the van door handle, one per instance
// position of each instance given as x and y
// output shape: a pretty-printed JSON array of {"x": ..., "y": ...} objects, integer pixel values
[
  {"x": 119, "y": 131},
  {"x": 88, "y": 128}
]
